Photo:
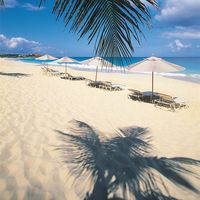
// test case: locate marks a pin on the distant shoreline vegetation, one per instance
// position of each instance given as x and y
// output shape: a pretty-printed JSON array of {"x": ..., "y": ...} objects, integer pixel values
[{"x": 19, "y": 55}]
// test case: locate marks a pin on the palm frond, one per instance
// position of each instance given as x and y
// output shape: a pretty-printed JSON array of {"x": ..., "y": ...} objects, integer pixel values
[
  {"x": 2, "y": 3},
  {"x": 111, "y": 24},
  {"x": 153, "y": 195},
  {"x": 188, "y": 161},
  {"x": 173, "y": 169}
]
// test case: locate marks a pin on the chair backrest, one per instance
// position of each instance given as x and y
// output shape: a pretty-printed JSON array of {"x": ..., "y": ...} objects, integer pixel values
[
  {"x": 69, "y": 75},
  {"x": 135, "y": 91},
  {"x": 165, "y": 97},
  {"x": 106, "y": 83},
  {"x": 49, "y": 70},
  {"x": 88, "y": 81}
]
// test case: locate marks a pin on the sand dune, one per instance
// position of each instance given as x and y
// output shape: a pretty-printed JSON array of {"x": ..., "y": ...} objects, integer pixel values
[{"x": 33, "y": 106}]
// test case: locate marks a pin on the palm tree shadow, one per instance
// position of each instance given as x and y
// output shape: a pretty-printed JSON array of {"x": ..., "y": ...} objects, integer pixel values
[
  {"x": 122, "y": 167},
  {"x": 13, "y": 74}
]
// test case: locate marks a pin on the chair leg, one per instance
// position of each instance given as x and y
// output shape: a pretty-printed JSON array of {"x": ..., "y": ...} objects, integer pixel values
[{"x": 172, "y": 107}]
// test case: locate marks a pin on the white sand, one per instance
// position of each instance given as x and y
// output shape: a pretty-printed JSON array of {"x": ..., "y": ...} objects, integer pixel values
[{"x": 32, "y": 107}]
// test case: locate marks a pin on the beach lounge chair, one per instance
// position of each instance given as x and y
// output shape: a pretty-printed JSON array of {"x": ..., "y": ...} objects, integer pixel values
[
  {"x": 117, "y": 87},
  {"x": 112, "y": 87},
  {"x": 165, "y": 100},
  {"x": 105, "y": 85},
  {"x": 169, "y": 101},
  {"x": 70, "y": 77},
  {"x": 48, "y": 71},
  {"x": 88, "y": 81},
  {"x": 52, "y": 72},
  {"x": 44, "y": 70},
  {"x": 135, "y": 95},
  {"x": 92, "y": 83},
  {"x": 180, "y": 102}
]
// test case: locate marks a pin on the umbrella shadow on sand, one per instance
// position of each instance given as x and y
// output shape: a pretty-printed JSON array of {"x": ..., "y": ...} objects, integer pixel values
[
  {"x": 13, "y": 74},
  {"x": 122, "y": 167}
]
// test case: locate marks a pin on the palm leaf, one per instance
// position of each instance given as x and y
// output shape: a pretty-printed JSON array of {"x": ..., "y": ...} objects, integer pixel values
[
  {"x": 1, "y": 2},
  {"x": 173, "y": 169},
  {"x": 111, "y": 24},
  {"x": 153, "y": 195}
]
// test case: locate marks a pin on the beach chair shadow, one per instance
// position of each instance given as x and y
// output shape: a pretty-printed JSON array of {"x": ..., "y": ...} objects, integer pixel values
[{"x": 13, "y": 74}]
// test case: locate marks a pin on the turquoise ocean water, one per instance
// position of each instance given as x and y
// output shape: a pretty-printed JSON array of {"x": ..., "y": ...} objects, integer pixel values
[{"x": 191, "y": 64}]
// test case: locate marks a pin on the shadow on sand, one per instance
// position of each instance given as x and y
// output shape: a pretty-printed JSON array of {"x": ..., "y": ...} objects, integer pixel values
[
  {"x": 122, "y": 168},
  {"x": 12, "y": 74}
]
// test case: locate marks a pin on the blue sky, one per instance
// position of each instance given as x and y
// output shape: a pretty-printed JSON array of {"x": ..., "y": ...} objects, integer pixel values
[{"x": 24, "y": 28}]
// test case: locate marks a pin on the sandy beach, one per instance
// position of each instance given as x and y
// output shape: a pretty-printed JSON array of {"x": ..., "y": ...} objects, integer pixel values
[{"x": 33, "y": 106}]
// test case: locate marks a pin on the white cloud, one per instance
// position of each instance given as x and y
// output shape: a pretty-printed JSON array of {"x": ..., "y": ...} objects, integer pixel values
[
  {"x": 2, "y": 37},
  {"x": 198, "y": 46},
  {"x": 183, "y": 33},
  {"x": 31, "y": 7},
  {"x": 177, "y": 45},
  {"x": 10, "y": 3},
  {"x": 19, "y": 45},
  {"x": 180, "y": 12},
  {"x": 15, "y": 42},
  {"x": 27, "y": 6}
]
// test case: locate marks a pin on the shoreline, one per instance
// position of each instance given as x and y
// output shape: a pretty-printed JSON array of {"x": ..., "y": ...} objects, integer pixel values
[
  {"x": 182, "y": 76},
  {"x": 186, "y": 79}
]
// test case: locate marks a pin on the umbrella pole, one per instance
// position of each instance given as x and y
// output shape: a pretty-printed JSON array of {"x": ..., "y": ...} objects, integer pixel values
[
  {"x": 152, "y": 87},
  {"x": 65, "y": 70},
  {"x": 96, "y": 73}
]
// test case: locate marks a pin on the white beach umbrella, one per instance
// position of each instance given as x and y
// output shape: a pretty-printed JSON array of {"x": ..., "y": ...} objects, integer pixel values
[
  {"x": 154, "y": 64},
  {"x": 46, "y": 57},
  {"x": 66, "y": 60},
  {"x": 97, "y": 61}
]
